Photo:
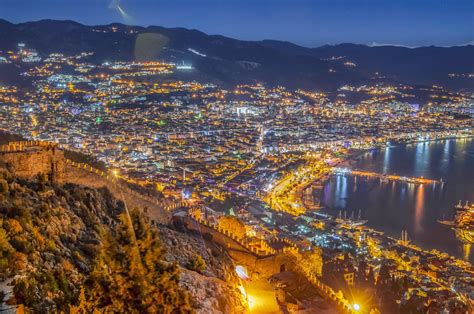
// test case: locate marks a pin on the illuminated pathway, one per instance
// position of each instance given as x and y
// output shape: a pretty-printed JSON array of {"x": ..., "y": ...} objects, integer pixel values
[
  {"x": 261, "y": 297},
  {"x": 286, "y": 195}
]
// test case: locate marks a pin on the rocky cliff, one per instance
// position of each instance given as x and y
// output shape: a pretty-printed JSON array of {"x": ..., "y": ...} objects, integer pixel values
[{"x": 71, "y": 248}]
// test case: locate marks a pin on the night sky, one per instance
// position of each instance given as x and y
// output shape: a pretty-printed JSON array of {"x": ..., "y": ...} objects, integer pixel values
[{"x": 306, "y": 22}]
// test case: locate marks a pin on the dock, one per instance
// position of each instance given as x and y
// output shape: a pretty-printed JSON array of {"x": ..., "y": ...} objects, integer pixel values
[{"x": 383, "y": 177}]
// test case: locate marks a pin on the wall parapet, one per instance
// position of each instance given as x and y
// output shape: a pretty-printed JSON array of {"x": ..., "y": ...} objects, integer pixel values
[
  {"x": 262, "y": 249},
  {"x": 328, "y": 293},
  {"x": 113, "y": 179},
  {"x": 21, "y": 146},
  {"x": 24, "y": 161}
]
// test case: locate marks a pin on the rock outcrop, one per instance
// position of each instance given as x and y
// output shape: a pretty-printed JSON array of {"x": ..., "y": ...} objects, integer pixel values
[{"x": 54, "y": 236}]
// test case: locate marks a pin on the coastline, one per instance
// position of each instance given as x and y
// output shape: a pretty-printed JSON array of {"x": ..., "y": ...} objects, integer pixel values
[
  {"x": 353, "y": 156},
  {"x": 347, "y": 162}
]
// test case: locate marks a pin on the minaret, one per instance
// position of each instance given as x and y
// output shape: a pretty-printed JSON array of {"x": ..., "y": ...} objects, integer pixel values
[{"x": 404, "y": 239}]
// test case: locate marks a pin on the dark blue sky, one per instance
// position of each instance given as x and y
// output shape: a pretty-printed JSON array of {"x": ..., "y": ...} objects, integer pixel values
[{"x": 306, "y": 22}]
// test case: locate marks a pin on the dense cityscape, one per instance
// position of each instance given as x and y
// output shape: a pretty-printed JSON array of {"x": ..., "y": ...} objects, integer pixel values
[
  {"x": 146, "y": 169},
  {"x": 252, "y": 152},
  {"x": 212, "y": 131}
]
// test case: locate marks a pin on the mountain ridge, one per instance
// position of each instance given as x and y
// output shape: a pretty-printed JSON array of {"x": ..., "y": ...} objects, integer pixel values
[
  {"x": 226, "y": 60},
  {"x": 372, "y": 45}
]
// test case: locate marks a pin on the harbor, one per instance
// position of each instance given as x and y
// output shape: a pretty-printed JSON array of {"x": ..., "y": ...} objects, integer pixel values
[
  {"x": 393, "y": 205},
  {"x": 384, "y": 177}
]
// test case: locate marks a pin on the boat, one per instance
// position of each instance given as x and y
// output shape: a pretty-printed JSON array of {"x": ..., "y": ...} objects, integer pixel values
[
  {"x": 351, "y": 221},
  {"x": 391, "y": 143},
  {"x": 447, "y": 223},
  {"x": 463, "y": 222}
]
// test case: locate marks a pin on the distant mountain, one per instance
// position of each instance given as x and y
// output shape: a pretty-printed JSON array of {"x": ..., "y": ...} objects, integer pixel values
[
  {"x": 424, "y": 65},
  {"x": 226, "y": 60}
]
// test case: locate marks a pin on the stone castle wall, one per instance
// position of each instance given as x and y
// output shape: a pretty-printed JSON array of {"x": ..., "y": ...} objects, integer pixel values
[
  {"x": 152, "y": 208},
  {"x": 29, "y": 159},
  {"x": 259, "y": 264}
]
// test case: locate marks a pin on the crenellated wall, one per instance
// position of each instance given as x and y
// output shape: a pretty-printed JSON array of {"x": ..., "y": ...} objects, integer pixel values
[
  {"x": 255, "y": 246},
  {"x": 29, "y": 158},
  {"x": 261, "y": 263}
]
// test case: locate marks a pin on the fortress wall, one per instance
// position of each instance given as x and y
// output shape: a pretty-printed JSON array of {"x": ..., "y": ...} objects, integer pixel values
[
  {"x": 28, "y": 159},
  {"x": 29, "y": 163},
  {"x": 218, "y": 237},
  {"x": 257, "y": 266},
  {"x": 263, "y": 267},
  {"x": 87, "y": 178}
]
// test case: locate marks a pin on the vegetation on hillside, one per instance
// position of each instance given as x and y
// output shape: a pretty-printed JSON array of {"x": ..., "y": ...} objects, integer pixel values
[{"x": 74, "y": 249}]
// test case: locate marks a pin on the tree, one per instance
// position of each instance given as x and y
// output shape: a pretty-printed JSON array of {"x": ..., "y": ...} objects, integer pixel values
[
  {"x": 371, "y": 277},
  {"x": 83, "y": 306},
  {"x": 384, "y": 275},
  {"x": 312, "y": 262},
  {"x": 361, "y": 272},
  {"x": 130, "y": 274}
]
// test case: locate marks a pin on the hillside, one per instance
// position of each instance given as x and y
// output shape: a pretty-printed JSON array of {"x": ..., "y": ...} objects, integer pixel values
[
  {"x": 72, "y": 248},
  {"x": 229, "y": 61}
]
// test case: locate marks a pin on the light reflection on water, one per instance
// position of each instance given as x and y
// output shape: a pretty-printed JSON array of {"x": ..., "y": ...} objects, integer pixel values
[
  {"x": 386, "y": 160},
  {"x": 419, "y": 207},
  {"x": 393, "y": 206}
]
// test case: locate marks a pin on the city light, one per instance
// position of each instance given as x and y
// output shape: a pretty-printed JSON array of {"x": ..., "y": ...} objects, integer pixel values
[
  {"x": 356, "y": 307},
  {"x": 253, "y": 183},
  {"x": 251, "y": 302},
  {"x": 242, "y": 272}
]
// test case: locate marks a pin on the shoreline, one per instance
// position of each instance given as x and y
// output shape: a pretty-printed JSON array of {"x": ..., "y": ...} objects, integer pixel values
[{"x": 355, "y": 155}]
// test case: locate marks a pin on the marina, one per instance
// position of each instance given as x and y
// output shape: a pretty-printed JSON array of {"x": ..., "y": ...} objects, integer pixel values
[
  {"x": 462, "y": 223},
  {"x": 417, "y": 208}
]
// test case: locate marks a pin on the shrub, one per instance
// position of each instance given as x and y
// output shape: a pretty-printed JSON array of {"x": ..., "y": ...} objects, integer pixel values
[
  {"x": 4, "y": 243},
  {"x": 4, "y": 186},
  {"x": 22, "y": 244},
  {"x": 197, "y": 264}
]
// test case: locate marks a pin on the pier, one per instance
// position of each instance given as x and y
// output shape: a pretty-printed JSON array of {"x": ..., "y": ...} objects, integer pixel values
[{"x": 383, "y": 177}]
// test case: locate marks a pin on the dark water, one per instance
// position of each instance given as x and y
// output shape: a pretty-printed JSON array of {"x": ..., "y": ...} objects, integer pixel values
[{"x": 394, "y": 206}]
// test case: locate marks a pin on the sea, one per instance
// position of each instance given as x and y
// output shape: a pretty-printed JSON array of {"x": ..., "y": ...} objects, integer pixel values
[{"x": 395, "y": 206}]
